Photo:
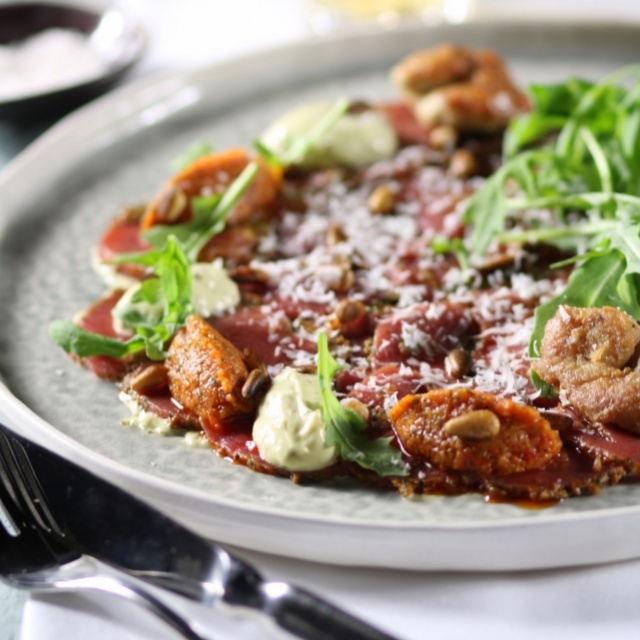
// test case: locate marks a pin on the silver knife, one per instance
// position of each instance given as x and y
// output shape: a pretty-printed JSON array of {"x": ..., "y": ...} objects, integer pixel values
[{"x": 97, "y": 518}]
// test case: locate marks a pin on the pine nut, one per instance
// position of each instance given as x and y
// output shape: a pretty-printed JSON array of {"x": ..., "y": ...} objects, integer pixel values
[
  {"x": 458, "y": 363},
  {"x": 152, "y": 377},
  {"x": 172, "y": 203},
  {"x": 353, "y": 404},
  {"x": 255, "y": 384},
  {"x": 475, "y": 425},
  {"x": 349, "y": 311},
  {"x": 382, "y": 200},
  {"x": 463, "y": 163}
]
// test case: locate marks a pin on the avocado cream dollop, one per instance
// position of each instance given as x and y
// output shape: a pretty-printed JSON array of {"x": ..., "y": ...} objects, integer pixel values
[
  {"x": 212, "y": 293},
  {"x": 289, "y": 430},
  {"x": 212, "y": 290},
  {"x": 355, "y": 140}
]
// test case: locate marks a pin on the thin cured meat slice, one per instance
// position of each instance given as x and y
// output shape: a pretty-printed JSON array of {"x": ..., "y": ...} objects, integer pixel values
[
  {"x": 267, "y": 333},
  {"x": 97, "y": 319},
  {"x": 425, "y": 332},
  {"x": 401, "y": 117}
]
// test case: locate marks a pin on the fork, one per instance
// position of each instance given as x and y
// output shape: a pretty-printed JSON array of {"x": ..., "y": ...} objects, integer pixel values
[
  {"x": 28, "y": 560},
  {"x": 73, "y": 507}
]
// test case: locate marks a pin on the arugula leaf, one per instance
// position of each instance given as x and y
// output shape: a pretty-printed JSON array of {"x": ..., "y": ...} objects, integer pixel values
[
  {"x": 345, "y": 428},
  {"x": 529, "y": 128},
  {"x": 599, "y": 159},
  {"x": 442, "y": 244},
  {"x": 82, "y": 343},
  {"x": 561, "y": 98},
  {"x": 596, "y": 151},
  {"x": 272, "y": 159},
  {"x": 606, "y": 215},
  {"x": 553, "y": 105},
  {"x": 142, "y": 304},
  {"x": 171, "y": 287},
  {"x": 487, "y": 211}
]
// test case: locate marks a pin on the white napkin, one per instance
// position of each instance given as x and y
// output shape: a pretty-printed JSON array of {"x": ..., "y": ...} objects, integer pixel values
[{"x": 585, "y": 603}]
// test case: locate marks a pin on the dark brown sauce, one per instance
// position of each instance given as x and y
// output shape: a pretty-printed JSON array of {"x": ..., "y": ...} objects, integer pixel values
[{"x": 533, "y": 505}]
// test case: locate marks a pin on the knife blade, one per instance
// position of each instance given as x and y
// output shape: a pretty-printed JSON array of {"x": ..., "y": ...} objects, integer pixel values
[{"x": 97, "y": 518}]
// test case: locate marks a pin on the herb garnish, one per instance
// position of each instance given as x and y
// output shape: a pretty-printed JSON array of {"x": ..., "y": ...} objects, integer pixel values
[
  {"x": 442, "y": 244},
  {"x": 344, "y": 428},
  {"x": 171, "y": 287},
  {"x": 592, "y": 163},
  {"x": 586, "y": 178}
]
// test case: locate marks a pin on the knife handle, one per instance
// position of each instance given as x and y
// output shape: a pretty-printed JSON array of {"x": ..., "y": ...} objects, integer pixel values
[{"x": 307, "y": 616}]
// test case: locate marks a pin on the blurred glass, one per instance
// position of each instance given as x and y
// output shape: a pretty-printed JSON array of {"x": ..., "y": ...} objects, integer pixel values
[{"x": 327, "y": 15}]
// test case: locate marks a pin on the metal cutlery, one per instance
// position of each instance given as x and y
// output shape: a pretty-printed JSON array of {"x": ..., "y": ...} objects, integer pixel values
[
  {"x": 31, "y": 561},
  {"x": 75, "y": 508}
]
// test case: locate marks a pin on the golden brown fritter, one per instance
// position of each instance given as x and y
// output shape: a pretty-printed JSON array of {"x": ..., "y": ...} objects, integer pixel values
[
  {"x": 469, "y": 430},
  {"x": 585, "y": 353},
  {"x": 209, "y": 175},
  {"x": 207, "y": 374},
  {"x": 467, "y": 89}
]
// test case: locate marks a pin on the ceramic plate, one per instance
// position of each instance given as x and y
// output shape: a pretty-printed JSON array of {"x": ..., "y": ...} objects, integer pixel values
[{"x": 58, "y": 196}]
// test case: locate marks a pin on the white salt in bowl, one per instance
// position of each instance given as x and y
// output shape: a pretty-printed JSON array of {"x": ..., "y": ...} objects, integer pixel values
[{"x": 55, "y": 57}]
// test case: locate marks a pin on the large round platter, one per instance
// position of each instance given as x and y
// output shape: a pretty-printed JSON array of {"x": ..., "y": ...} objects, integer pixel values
[{"x": 60, "y": 193}]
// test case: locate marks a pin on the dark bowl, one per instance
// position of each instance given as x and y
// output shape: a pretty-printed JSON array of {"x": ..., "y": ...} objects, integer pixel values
[{"x": 118, "y": 40}]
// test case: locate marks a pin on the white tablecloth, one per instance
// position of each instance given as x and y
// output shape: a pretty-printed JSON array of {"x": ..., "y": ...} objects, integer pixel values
[{"x": 583, "y": 603}]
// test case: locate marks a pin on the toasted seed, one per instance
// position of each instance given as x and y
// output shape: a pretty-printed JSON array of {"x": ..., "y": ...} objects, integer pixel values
[
  {"x": 389, "y": 296},
  {"x": 347, "y": 280},
  {"x": 353, "y": 404},
  {"x": 249, "y": 275},
  {"x": 256, "y": 384},
  {"x": 358, "y": 106},
  {"x": 133, "y": 213},
  {"x": 443, "y": 137},
  {"x": 172, "y": 203},
  {"x": 335, "y": 234},
  {"x": 382, "y": 199},
  {"x": 475, "y": 425},
  {"x": 152, "y": 377},
  {"x": 458, "y": 363},
  {"x": 497, "y": 262},
  {"x": 463, "y": 163},
  {"x": 349, "y": 311},
  {"x": 336, "y": 276}
]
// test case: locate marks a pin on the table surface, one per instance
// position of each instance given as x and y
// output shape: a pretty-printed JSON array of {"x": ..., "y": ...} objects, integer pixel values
[{"x": 585, "y": 603}]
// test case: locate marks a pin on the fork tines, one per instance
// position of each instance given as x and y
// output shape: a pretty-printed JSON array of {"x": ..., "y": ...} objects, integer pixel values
[{"x": 21, "y": 484}]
